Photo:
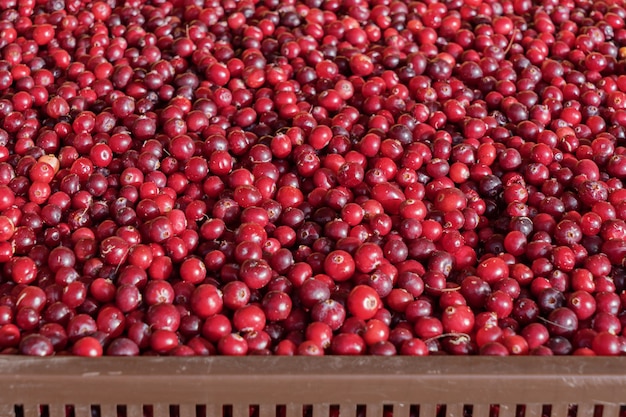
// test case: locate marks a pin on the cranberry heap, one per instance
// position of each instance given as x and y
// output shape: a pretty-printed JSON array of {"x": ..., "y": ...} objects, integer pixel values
[{"x": 188, "y": 177}]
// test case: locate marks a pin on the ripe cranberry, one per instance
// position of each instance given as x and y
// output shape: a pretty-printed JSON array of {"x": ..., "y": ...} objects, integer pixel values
[
  {"x": 339, "y": 265},
  {"x": 87, "y": 346},
  {"x": 255, "y": 274},
  {"x": 606, "y": 344},
  {"x": 249, "y": 318},
  {"x": 313, "y": 291},
  {"x": 457, "y": 319},
  {"x": 363, "y": 302},
  {"x": 163, "y": 317},
  {"x": 562, "y": 322},
  {"x": 449, "y": 199},
  {"x": 23, "y": 270},
  {"x": 122, "y": 347},
  {"x": 414, "y": 347},
  {"x": 277, "y": 305},
  {"x": 347, "y": 344},
  {"x": 329, "y": 312},
  {"x": 206, "y": 300},
  {"x": 492, "y": 270},
  {"x": 31, "y": 297},
  {"x": 488, "y": 334},
  {"x": 36, "y": 345},
  {"x": 163, "y": 341},
  {"x": 500, "y": 303},
  {"x": 582, "y": 304},
  {"x": 193, "y": 270},
  {"x": 232, "y": 345}
]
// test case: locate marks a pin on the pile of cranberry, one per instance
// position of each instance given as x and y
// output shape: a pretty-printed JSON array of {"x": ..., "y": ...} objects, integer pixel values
[{"x": 310, "y": 177}]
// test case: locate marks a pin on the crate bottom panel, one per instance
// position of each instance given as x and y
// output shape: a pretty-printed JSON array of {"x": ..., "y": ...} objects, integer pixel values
[
  {"x": 314, "y": 410},
  {"x": 313, "y": 387}
]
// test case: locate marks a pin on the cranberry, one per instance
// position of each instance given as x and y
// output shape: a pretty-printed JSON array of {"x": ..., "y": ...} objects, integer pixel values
[
  {"x": 582, "y": 303},
  {"x": 255, "y": 273},
  {"x": 492, "y": 270},
  {"x": 606, "y": 344},
  {"x": 339, "y": 265},
  {"x": 23, "y": 270},
  {"x": 87, "y": 346},
  {"x": 232, "y": 345},
  {"x": 206, "y": 300},
  {"x": 36, "y": 345},
  {"x": 500, "y": 303},
  {"x": 193, "y": 270},
  {"x": 215, "y": 327},
  {"x": 329, "y": 312},
  {"x": 313, "y": 291},
  {"x": 122, "y": 347},
  {"x": 562, "y": 322},
  {"x": 277, "y": 305},
  {"x": 163, "y": 341},
  {"x": 363, "y": 302},
  {"x": 457, "y": 319},
  {"x": 249, "y": 318},
  {"x": 163, "y": 317},
  {"x": 111, "y": 320},
  {"x": 347, "y": 344}
]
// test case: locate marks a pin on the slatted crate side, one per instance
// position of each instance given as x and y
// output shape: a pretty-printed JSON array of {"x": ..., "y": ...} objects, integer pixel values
[
  {"x": 316, "y": 410},
  {"x": 311, "y": 387}
]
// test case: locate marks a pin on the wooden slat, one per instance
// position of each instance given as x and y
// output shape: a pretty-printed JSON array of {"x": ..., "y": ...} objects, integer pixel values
[
  {"x": 241, "y": 410},
  {"x": 187, "y": 410},
  {"x": 275, "y": 380},
  {"x": 454, "y": 410},
  {"x": 267, "y": 410},
  {"x": 161, "y": 410},
  {"x": 507, "y": 410},
  {"x": 294, "y": 410},
  {"x": 55, "y": 410},
  {"x": 31, "y": 410},
  {"x": 428, "y": 410},
  {"x": 560, "y": 410},
  {"x": 321, "y": 410},
  {"x": 347, "y": 410},
  {"x": 374, "y": 410},
  {"x": 610, "y": 410},
  {"x": 134, "y": 410},
  {"x": 7, "y": 410},
  {"x": 586, "y": 409},
  {"x": 401, "y": 410},
  {"x": 109, "y": 410},
  {"x": 214, "y": 410},
  {"x": 533, "y": 410},
  {"x": 82, "y": 410},
  {"x": 480, "y": 410}
]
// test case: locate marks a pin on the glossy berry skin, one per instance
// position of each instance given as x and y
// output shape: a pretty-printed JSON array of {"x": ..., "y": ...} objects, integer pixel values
[
  {"x": 329, "y": 312},
  {"x": 23, "y": 270},
  {"x": 193, "y": 270},
  {"x": 339, "y": 265},
  {"x": 206, "y": 300},
  {"x": 87, "y": 346},
  {"x": 492, "y": 270},
  {"x": 249, "y": 318},
  {"x": 232, "y": 345},
  {"x": 363, "y": 302},
  {"x": 458, "y": 319}
]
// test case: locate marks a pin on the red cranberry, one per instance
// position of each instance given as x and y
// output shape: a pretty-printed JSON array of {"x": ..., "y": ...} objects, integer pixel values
[
  {"x": 232, "y": 345},
  {"x": 363, "y": 302}
]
